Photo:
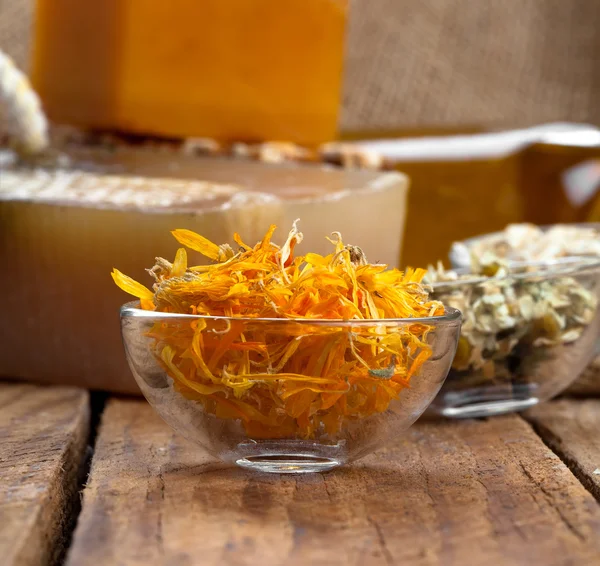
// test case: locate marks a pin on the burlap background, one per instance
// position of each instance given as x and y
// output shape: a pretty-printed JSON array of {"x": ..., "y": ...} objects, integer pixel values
[{"x": 414, "y": 63}]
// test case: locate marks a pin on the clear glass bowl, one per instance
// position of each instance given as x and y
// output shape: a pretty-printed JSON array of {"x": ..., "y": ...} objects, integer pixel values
[
  {"x": 460, "y": 252},
  {"x": 525, "y": 336},
  {"x": 261, "y": 423}
]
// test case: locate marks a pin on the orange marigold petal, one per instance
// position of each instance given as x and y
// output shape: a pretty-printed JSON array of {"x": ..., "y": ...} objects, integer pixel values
[
  {"x": 131, "y": 286},
  {"x": 180, "y": 263},
  {"x": 197, "y": 243}
]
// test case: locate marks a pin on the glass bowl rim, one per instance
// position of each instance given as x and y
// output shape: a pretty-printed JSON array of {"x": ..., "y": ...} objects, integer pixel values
[
  {"x": 571, "y": 266},
  {"x": 131, "y": 310}
]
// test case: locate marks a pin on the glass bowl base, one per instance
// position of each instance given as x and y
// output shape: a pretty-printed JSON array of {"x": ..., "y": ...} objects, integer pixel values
[
  {"x": 287, "y": 464},
  {"x": 489, "y": 408},
  {"x": 289, "y": 456}
]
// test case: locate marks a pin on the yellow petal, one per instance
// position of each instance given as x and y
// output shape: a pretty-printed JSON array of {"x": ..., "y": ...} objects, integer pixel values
[
  {"x": 197, "y": 243},
  {"x": 147, "y": 304},
  {"x": 167, "y": 356},
  {"x": 414, "y": 275},
  {"x": 180, "y": 263},
  {"x": 131, "y": 286},
  {"x": 239, "y": 289},
  {"x": 317, "y": 260},
  {"x": 267, "y": 239},
  {"x": 238, "y": 240}
]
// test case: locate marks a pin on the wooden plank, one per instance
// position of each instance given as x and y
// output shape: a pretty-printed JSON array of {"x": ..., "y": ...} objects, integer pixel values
[
  {"x": 43, "y": 437},
  {"x": 572, "y": 429},
  {"x": 473, "y": 492},
  {"x": 588, "y": 384}
]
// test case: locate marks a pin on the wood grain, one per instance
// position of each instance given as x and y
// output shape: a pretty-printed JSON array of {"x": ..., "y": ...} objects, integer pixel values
[
  {"x": 588, "y": 384},
  {"x": 473, "y": 492},
  {"x": 43, "y": 436},
  {"x": 572, "y": 430}
]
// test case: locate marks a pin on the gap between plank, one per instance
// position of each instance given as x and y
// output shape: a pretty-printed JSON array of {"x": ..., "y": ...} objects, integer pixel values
[
  {"x": 546, "y": 436},
  {"x": 97, "y": 403}
]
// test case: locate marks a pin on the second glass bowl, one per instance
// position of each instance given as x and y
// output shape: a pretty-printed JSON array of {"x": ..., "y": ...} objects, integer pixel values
[
  {"x": 333, "y": 391},
  {"x": 525, "y": 337}
]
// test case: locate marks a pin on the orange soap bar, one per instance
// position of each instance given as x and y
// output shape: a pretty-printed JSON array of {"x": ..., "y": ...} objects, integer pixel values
[{"x": 228, "y": 69}]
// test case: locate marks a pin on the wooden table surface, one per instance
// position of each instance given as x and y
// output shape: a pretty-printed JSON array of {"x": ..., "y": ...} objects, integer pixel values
[{"x": 518, "y": 489}]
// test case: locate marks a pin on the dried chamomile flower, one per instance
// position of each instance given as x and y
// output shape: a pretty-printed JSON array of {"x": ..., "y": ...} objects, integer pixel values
[
  {"x": 528, "y": 242},
  {"x": 509, "y": 311}
]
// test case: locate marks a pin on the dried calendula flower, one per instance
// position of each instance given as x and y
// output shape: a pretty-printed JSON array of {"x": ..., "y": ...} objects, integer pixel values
[{"x": 279, "y": 379}]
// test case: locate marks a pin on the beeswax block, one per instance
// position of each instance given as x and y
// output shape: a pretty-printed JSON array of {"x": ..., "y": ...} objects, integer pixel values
[
  {"x": 469, "y": 183},
  {"x": 228, "y": 69},
  {"x": 63, "y": 230}
]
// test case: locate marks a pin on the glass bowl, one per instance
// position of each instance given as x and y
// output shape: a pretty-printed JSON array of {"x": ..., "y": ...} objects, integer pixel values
[
  {"x": 525, "y": 337},
  {"x": 315, "y": 409},
  {"x": 498, "y": 243}
]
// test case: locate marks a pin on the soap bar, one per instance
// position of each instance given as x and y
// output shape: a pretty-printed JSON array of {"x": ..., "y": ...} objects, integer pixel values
[
  {"x": 466, "y": 182},
  {"x": 228, "y": 69},
  {"x": 563, "y": 181},
  {"x": 64, "y": 229},
  {"x": 450, "y": 196},
  {"x": 462, "y": 197}
]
